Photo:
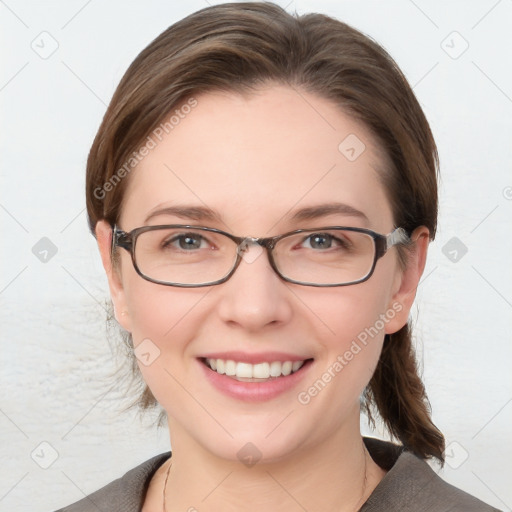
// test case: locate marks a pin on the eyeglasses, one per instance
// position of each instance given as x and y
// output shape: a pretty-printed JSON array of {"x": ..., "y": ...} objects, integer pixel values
[{"x": 193, "y": 256}]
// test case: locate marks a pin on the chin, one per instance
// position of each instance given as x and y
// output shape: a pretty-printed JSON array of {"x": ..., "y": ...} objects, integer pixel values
[
  {"x": 255, "y": 449},
  {"x": 263, "y": 438}
]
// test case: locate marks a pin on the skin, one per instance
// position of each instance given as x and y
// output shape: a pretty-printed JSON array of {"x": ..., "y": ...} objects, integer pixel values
[{"x": 255, "y": 160}]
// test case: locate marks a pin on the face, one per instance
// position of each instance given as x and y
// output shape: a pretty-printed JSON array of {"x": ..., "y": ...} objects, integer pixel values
[{"x": 260, "y": 166}]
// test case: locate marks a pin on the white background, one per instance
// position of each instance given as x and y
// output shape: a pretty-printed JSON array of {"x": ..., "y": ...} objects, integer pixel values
[{"x": 56, "y": 363}]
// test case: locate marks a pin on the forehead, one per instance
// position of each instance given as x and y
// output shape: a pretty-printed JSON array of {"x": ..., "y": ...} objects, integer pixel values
[{"x": 256, "y": 158}]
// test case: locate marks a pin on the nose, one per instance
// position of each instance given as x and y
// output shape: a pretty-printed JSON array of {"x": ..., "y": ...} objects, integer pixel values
[{"x": 254, "y": 297}]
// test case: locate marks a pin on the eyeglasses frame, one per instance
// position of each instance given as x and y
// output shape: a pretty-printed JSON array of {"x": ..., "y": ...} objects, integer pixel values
[{"x": 382, "y": 243}]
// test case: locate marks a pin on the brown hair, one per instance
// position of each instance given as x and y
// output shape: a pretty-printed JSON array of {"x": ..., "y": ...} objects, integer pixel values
[{"x": 240, "y": 46}]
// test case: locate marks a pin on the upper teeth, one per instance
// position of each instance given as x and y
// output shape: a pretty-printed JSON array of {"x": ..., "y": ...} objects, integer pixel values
[{"x": 253, "y": 371}]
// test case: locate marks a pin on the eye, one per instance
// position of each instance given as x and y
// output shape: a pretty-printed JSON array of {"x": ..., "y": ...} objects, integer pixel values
[
  {"x": 322, "y": 241},
  {"x": 186, "y": 242}
]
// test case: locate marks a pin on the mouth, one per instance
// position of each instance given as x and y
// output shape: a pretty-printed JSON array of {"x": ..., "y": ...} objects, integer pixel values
[
  {"x": 259, "y": 372},
  {"x": 255, "y": 377}
]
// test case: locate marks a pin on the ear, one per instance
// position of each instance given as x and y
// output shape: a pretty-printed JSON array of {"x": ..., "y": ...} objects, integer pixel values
[
  {"x": 406, "y": 282},
  {"x": 104, "y": 234}
]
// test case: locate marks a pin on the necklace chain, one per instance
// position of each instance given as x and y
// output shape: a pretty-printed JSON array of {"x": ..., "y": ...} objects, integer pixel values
[{"x": 165, "y": 484}]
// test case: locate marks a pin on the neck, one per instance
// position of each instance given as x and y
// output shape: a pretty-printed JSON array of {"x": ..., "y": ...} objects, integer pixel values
[{"x": 337, "y": 476}]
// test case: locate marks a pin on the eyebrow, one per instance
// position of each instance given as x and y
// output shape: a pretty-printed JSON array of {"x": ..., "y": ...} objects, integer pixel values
[
  {"x": 185, "y": 212},
  {"x": 200, "y": 213},
  {"x": 314, "y": 212}
]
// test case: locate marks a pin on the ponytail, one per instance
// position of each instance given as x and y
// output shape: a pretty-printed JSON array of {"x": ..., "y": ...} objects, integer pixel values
[{"x": 398, "y": 394}]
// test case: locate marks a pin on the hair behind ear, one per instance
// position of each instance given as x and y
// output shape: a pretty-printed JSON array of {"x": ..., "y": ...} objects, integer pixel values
[{"x": 397, "y": 391}]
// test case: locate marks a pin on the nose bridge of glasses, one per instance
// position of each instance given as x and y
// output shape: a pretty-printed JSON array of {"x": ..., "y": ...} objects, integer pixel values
[
  {"x": 257, "y": 245},
  {"x": 246, "y": 243}
]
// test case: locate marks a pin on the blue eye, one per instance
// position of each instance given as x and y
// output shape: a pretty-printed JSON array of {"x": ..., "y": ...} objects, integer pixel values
[
  {"x": 322, "y": 241},
  {"x": 186, "y": 242},
  {"x": 319, "y": 241}
]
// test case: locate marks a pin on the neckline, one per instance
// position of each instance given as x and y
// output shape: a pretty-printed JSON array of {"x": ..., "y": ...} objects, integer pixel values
[{"x": 383, "y": 453}]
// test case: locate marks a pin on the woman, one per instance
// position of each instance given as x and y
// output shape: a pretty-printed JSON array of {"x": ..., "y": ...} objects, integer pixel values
[{"x": 263, "y": 192}]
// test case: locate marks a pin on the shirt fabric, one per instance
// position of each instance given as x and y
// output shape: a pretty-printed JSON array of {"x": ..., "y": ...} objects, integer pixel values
[{"x": 410, "y": 485}]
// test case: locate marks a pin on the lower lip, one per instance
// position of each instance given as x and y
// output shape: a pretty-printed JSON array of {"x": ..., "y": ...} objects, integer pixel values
[{"x": 254, "y": 391}]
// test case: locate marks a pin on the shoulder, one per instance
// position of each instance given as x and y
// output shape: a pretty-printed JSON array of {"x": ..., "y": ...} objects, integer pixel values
[
  {"x": 125, "y": 494},
  {"x": 411, "y": 485}
]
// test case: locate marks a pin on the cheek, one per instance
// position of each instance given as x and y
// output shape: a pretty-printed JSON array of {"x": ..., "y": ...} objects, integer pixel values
[
  {"x": 165, "y": 321},
  {"x": 156, "y": 310},
  {"x": 347, "y": 313},
  {"x": 350, "y": 327}
]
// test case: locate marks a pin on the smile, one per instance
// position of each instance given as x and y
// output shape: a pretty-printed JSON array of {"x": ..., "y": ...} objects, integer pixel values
[
  {"x": 255, "y": 377},
  {"x": 247, "y": 372}
]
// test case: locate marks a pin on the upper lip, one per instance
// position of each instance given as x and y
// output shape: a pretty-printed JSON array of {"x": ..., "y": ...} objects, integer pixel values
[{"x": 261, "y": 357}]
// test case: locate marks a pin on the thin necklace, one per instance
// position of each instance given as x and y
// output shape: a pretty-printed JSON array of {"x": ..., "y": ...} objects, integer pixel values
[
  {"x": 165, "y": 484},
  {"x": 356, "y": 509},
  {"x": 365, "y": 482}
]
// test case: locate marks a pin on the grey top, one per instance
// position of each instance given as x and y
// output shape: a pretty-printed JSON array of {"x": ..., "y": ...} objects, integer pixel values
[{"x": 410, "y": 485}]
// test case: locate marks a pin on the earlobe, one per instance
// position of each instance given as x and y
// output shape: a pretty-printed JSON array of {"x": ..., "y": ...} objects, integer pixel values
[
  {"x": 104, "y": 238},
  {"x": 408, "y": 280}
]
